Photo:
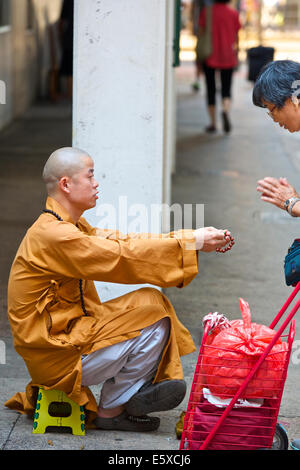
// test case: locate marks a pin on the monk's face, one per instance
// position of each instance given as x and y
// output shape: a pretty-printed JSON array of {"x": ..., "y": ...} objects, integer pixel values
[{"x": 83, "y": 186}]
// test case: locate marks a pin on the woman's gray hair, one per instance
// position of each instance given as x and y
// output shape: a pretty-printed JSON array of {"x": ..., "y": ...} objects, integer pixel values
[{"x": 278, "y": 81}]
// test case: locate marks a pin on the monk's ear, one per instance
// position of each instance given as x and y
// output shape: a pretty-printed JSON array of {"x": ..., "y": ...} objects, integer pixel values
[{"x": 64, "y": 185}]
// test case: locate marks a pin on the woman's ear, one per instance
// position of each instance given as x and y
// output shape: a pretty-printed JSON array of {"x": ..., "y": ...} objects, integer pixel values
[{"x": 295, "y": 100}]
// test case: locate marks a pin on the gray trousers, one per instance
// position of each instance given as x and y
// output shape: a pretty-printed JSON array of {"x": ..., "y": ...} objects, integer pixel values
[{"x": 124, "y": 367}]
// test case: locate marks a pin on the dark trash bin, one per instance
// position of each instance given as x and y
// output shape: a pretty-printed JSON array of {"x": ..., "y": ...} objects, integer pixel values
[{"x": 257, "y": 58}]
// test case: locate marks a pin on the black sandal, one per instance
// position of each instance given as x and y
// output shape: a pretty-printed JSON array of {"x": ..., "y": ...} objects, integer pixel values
[
  {"x": 211, "y": 129},
  {"x": 126, "y": 422},
  {"x": 160, "y": 396}
]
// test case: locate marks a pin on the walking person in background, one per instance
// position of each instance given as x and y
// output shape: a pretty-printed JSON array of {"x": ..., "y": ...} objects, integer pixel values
[
  {"x": 66, "y": 25},
  {"x": 225, "y": 25},
  {"x": 196, "y": 8}
]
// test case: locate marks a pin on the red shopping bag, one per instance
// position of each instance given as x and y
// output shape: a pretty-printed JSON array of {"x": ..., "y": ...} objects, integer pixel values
[
  {"x": 245, "y": 428},
  {"x": 231, "y": 354}
]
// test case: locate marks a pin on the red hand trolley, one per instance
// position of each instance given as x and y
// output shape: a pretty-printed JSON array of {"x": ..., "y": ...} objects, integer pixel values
[{"x": 232, "y": 426}]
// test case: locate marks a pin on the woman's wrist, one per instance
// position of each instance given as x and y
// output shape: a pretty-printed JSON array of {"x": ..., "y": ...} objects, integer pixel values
[{"x": 295, "y": 209}]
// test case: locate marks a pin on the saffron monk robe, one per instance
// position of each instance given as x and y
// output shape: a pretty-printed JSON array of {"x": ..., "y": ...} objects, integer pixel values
[{"x": 68, "y": 339}]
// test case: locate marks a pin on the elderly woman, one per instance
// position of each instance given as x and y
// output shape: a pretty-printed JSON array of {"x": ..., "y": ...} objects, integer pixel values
[{"x": 277, "y": 89}]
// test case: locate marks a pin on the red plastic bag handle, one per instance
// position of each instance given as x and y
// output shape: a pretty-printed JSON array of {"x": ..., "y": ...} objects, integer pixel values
[{"x": 246, "y": 314}]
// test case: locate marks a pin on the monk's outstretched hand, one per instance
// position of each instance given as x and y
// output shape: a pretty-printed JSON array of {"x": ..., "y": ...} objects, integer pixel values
[{"x": 210, "y": 238}]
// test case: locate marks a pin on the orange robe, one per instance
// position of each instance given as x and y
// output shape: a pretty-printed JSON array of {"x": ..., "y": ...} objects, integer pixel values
[{"x": 49, "y": 328}]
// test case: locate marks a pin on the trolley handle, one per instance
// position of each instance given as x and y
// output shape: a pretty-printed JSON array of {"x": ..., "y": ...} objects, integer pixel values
[{"x": 285, "y": 306}]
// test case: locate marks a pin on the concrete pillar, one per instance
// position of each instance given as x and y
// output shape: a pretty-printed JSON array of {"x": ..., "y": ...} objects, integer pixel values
[{"x": 123, "y": 111}]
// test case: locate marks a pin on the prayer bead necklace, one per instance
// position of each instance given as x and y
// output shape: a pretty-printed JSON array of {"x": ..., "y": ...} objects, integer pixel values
[{"x": 80, "y": 280}]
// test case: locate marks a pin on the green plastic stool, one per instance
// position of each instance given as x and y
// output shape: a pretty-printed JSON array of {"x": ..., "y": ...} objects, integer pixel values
[{"x": 49, "y": 399}]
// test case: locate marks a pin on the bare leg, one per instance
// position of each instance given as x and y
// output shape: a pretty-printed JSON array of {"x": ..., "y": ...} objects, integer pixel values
[
  {"x": 110, "y": 412},
  {"x": 226, "y": 80},
  {"x": 226, "y": 105},
  {"x": 212, "y": 115},
  {"x": 225, "y": 115},
  {"x": 196, "y": 84}
]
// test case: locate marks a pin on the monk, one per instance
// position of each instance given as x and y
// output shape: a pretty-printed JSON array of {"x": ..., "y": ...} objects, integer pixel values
[{"x": 68, "y": 339}]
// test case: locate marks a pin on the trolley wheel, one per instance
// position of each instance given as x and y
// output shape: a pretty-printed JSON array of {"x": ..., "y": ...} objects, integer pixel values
[{"x": 280, "y": 440}]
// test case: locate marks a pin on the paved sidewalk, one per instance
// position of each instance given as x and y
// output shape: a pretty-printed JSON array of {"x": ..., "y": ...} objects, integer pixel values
[{"x": 218, "y": 171}]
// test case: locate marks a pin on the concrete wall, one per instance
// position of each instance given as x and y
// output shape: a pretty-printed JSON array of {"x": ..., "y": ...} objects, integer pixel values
[
  {"x": 24, "y": 55},
  {"x": 123, "y": 114}
]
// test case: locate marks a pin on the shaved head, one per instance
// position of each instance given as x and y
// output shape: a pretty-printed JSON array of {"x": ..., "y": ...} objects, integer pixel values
[{"x": 66, "y": 161}]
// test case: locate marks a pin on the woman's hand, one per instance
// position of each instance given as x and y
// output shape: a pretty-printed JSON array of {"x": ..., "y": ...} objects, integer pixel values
[
  {"x": 210, "y": 238},
  {"x": 276, "y": 191}
]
